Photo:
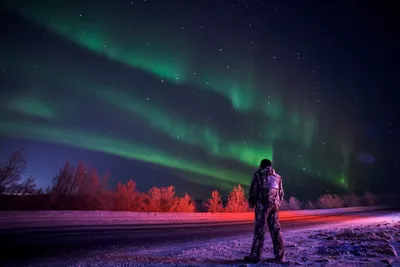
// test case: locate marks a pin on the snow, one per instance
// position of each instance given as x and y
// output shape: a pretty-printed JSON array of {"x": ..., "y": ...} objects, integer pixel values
[
  {"x": 363, "y": 241},
  {"x": 28, "y": 219}
]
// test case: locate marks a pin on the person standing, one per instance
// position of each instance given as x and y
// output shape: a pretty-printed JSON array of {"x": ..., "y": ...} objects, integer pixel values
[{"x": 266, "y": 195}]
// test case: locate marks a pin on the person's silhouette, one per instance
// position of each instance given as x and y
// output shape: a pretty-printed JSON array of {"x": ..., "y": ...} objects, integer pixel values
[{"x": 266, "y": 195}]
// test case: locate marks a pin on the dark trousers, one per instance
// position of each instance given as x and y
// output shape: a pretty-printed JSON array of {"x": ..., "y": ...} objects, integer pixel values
[{"x": 267, "y": 215}]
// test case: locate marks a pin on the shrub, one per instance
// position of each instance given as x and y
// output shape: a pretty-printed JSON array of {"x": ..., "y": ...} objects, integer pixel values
[
  {"x": 184, "y": 204},
  {"x": 294, "y": 203},
  {"x": 309, "y": 205},
  {"x": 284, "y": 205},
  {"x": 164, "y": 200},
  {"x": 237, "y": 201},
  {"x": 160, "y": 199},
  {"x": 329, "y": 201},
  {"x": 127, "y": 198},
  {"x": 214, "y": 204}
]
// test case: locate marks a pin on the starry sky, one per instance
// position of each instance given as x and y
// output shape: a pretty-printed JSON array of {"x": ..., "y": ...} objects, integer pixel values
[{"x": 196, "y": 93}]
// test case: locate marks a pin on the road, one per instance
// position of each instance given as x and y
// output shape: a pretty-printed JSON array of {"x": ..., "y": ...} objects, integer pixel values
[{"x": 24, "y": 245}]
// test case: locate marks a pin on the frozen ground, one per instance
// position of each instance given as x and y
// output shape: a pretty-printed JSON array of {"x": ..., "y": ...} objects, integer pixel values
[
  {"x": 30, "y": 219},
  {"x": 371, "y": 241}
]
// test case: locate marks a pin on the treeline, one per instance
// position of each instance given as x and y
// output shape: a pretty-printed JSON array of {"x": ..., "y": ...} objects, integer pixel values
[{"x": 81, "y": 188}]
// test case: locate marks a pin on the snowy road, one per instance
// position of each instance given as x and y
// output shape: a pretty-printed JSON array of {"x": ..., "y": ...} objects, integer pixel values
[{"x": 78, "y": 246}]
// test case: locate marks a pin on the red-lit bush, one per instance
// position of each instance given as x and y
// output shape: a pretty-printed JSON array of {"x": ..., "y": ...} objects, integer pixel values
[
  {"x": 161, "y": 199},
  {"x": 237, "y": 201},
  {"x": 294, "y": 203},
  {"x": 127, "y": 198},
  {"x": 284, "y": 205},
  {"x": 164, "y": 200},
  {"x": 329, "y": 201},
  {"x": 184, "y": 204},
  {"x": 214, "y": 204}
]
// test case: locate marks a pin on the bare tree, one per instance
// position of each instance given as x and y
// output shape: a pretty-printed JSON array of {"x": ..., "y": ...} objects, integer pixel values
[
  {"x": 11, "y": 170},
  {"x": 27, "y": 187},
  {"x": 92, "y": 191},
  {"x": 83, "y": 189},
  {"x": 64, "y": 181}
]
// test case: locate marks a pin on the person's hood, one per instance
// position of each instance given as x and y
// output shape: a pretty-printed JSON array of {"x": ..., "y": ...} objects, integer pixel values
[{"x": 270, "y": 171}]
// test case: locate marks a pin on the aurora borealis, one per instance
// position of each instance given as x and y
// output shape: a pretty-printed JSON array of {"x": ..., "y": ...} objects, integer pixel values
[{"x": 203, "y": 91}]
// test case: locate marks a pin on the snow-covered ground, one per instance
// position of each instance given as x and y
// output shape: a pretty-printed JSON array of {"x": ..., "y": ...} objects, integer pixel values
[
  {"x": 367, "y": 241},
  {"x": 29, "y": 219}
]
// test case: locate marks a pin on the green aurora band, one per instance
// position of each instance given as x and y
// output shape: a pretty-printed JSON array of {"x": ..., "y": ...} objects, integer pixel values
[
  {"x": 30, "y": 106},
  {"x": 165, "y": 60},
  {"x": 114, "y": 146},
  {"x": 170, "y": 61},
  {"x": 177, "y": 128}
]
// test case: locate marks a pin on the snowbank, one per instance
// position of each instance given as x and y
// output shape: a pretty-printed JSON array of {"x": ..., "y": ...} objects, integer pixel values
[
  {"x": 373, "y": 240},
  {"x": 28, "y": 219}
]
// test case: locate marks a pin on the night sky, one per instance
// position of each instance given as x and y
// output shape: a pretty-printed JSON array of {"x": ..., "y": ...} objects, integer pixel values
[{"x": 196, "y": 93}]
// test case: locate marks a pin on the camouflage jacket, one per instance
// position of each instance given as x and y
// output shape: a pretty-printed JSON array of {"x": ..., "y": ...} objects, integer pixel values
[{"x": 266, "y": 183}]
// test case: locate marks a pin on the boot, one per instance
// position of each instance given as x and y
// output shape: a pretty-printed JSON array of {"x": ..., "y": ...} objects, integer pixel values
[{"x": 251, "y": 259}]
